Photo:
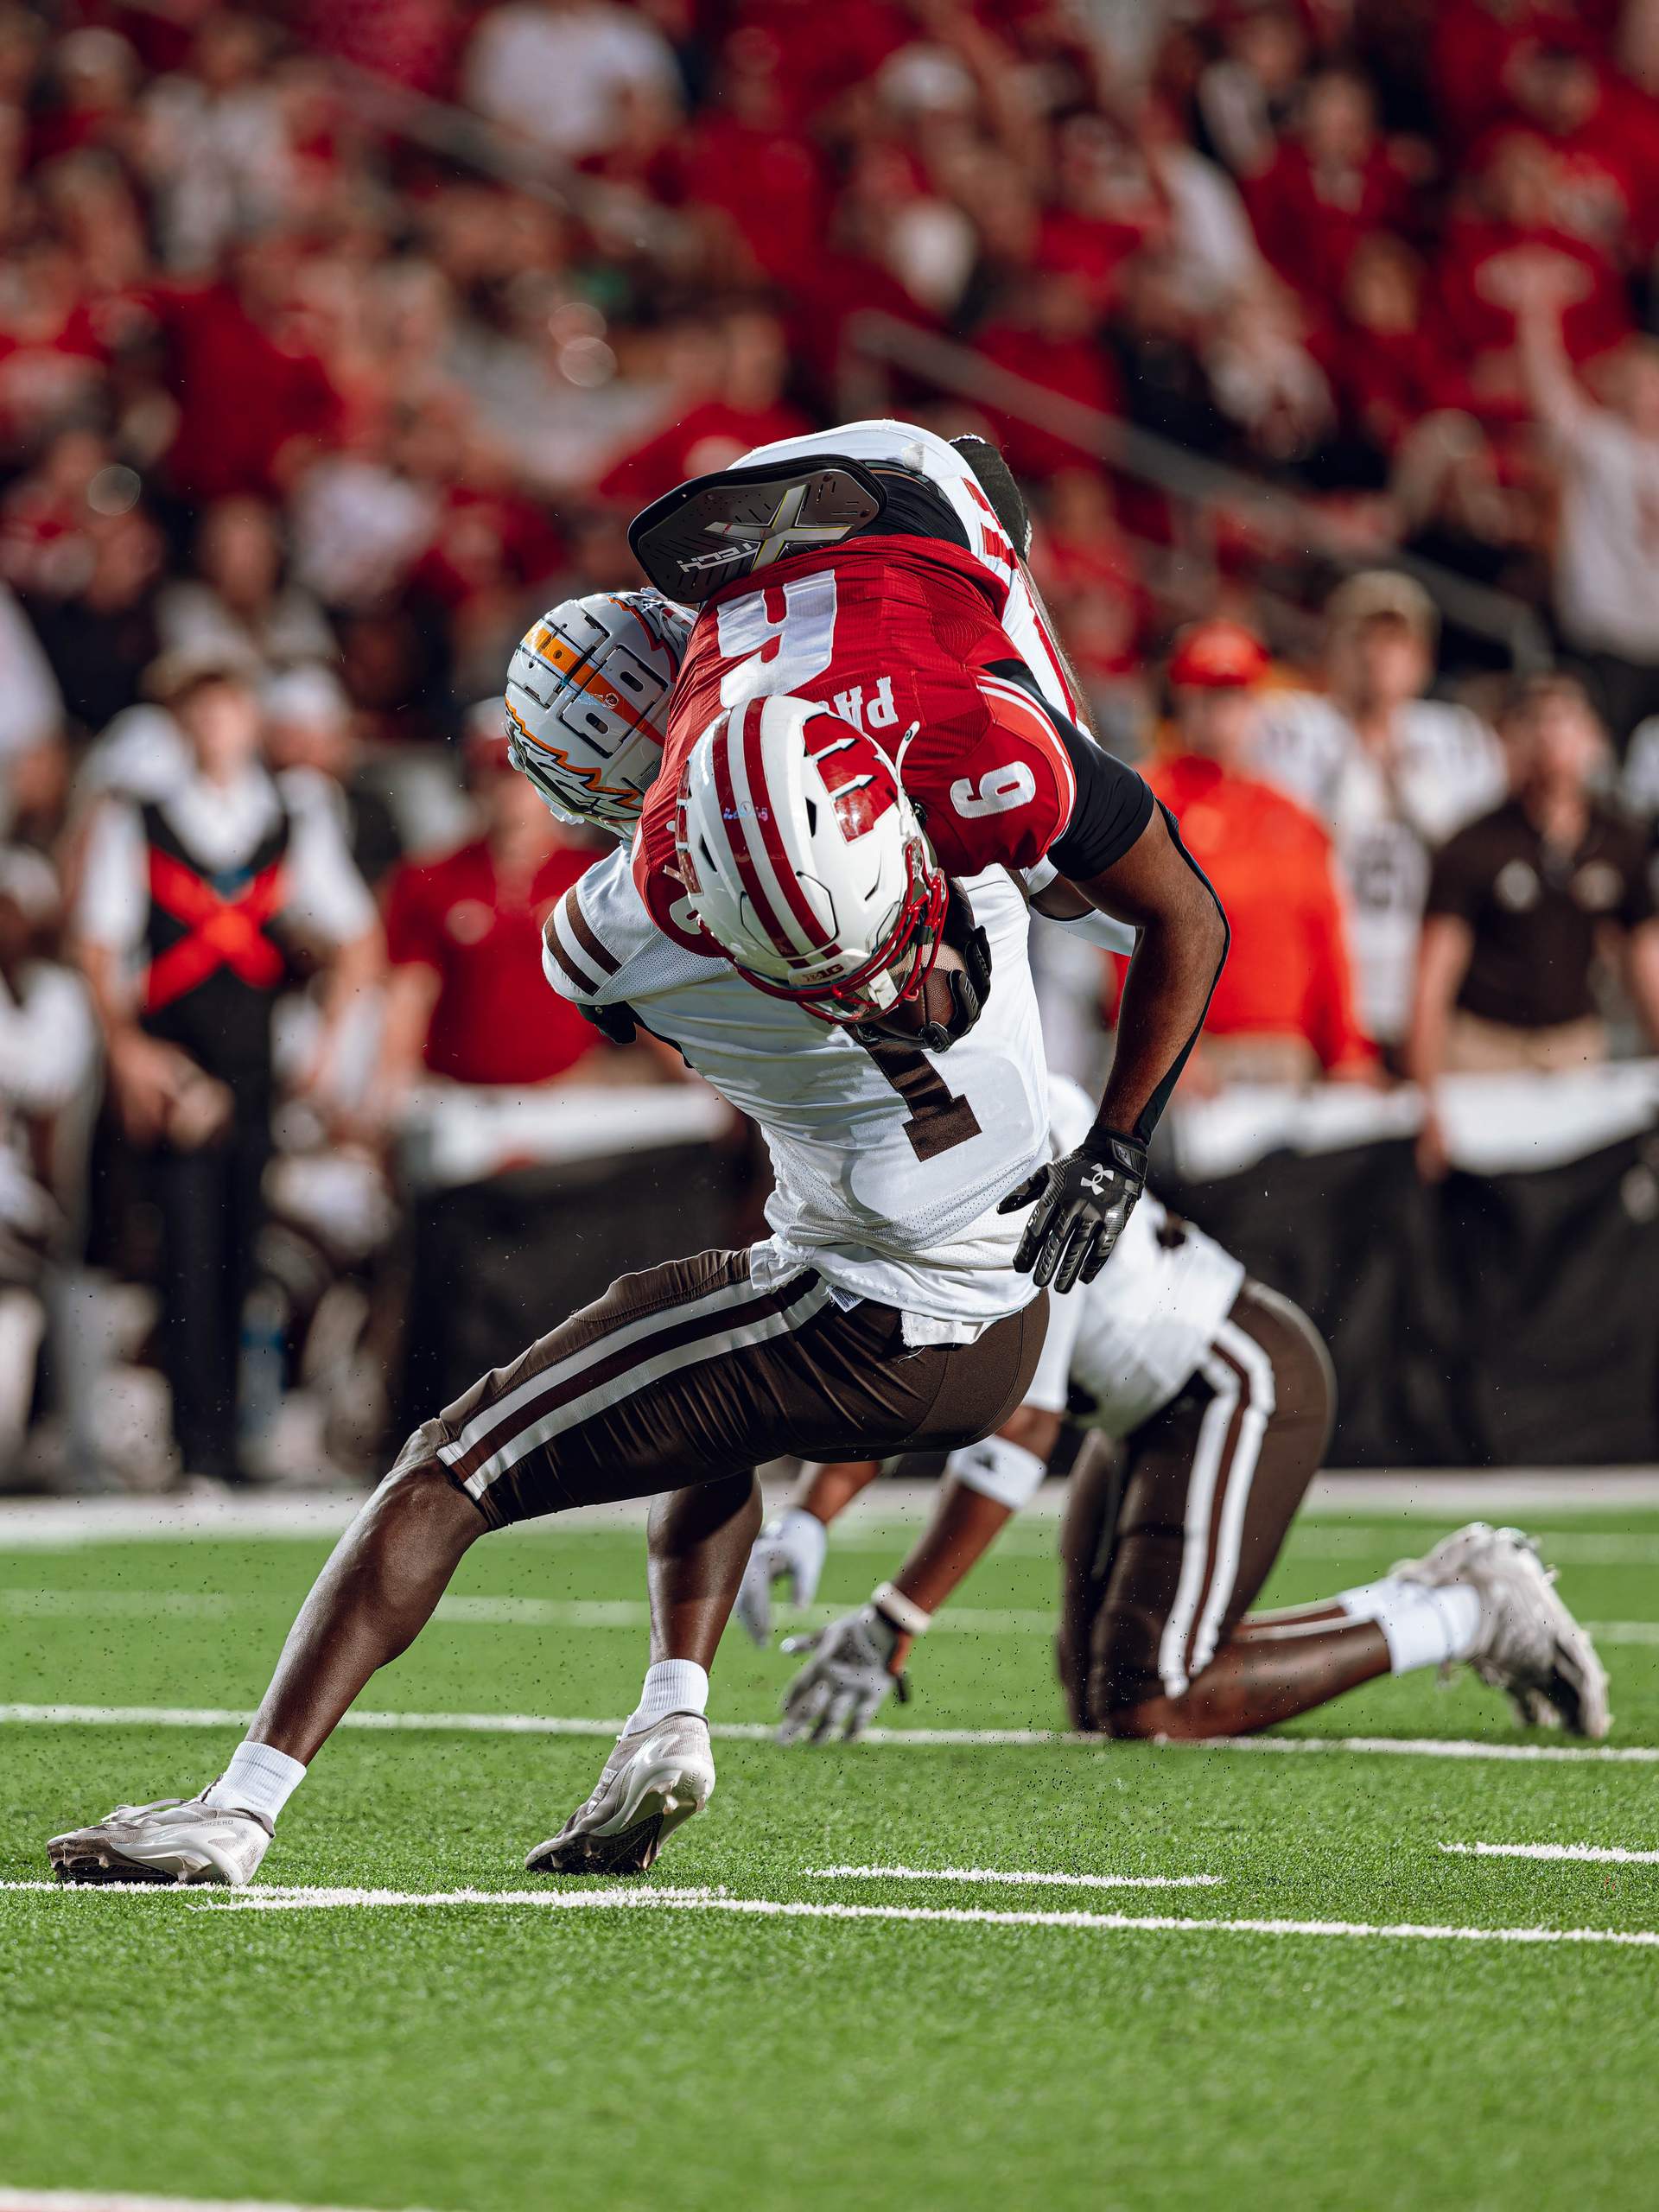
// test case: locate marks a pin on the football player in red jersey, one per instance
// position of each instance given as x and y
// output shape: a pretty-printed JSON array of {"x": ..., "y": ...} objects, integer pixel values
[{"x": 879, "y": 571}]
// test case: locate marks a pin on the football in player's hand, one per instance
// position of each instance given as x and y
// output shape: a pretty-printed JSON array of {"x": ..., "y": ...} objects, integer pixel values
[{"x": 933, "y": 1002}]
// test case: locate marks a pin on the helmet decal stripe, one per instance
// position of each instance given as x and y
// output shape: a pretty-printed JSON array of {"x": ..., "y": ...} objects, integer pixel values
[
  {"x": 736, "y": 815},
  {"x": 766, "y": 839}
]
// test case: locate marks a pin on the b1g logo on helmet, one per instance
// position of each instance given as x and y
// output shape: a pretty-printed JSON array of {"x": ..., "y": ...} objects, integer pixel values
[{"x": 858, "y": 792}]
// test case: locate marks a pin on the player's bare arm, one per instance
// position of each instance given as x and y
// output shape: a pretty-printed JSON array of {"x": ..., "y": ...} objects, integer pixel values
[
  {"x": 1083, "y": 1202},
  {"x": 1182, "y": 945}
]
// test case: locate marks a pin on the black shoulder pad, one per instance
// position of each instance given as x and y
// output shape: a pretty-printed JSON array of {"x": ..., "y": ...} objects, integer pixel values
[
  {"x": 716, "y": 530},
  {"x": 616, "y": 1022},
  {"x": 996, "y": 481}
]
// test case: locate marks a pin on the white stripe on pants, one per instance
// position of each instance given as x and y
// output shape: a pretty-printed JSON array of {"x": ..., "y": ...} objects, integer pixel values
[{"x": 1240, "y": 1374}]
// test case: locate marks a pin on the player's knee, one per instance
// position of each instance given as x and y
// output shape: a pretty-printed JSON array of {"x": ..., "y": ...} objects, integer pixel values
[
  {"x": 1126, "y": 1694},
  {"x": 419, "y": 1491},
  {"x": 1153, "y": 1720},
  {"x": 1033, "y": 1429}
]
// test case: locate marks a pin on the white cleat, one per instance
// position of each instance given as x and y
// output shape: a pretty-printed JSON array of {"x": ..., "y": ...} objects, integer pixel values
[
  {"x": 174, "y": 1840},
  {"x": 1528, "y": 1643},
  {"x": 653, "y": 1780}
]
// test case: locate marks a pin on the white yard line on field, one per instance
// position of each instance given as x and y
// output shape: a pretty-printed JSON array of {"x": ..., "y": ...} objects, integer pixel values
[
  {"x": 694, "y": 1900},
  {"x": 751, "y": 1731},
  {"x": 1595, "y": 1854},
  {"x": 1426, "y": 1493},
  {"x": 1561, "y": 1548},
  {"x": 466, "y": 1612},
  {"x": 106, "y": 2200},
  {"x": 557, "y": 1612},
  {"x": 1000, "y": 1877}
]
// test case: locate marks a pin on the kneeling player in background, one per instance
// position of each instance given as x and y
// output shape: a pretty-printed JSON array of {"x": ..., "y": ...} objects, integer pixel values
[{"x": 1223, "y": 1395}]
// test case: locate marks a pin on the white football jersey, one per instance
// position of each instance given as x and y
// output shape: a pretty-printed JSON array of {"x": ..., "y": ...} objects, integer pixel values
[
  {"x": 888, "y": 1163},
  {"x": 1131, "y": 1338},
  {"x": 1386, "y": 816}
]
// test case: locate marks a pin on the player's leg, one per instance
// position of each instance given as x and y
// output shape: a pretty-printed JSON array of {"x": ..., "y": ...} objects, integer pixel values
[
  {"x": 1130, "y": 1581},
  {"x": 1299, "y": 1666},
  {"x": 662, "y": 1769},
  {"x": 1154, "y": 1594},
  {"x": 846, "y": 1376},
  {"x": 686, "y": 1374}
]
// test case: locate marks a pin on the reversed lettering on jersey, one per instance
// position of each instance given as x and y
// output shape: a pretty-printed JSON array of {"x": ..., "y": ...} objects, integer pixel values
[
  {"x": 780, "y": 651},
  {"x": 999, "y": 791}
]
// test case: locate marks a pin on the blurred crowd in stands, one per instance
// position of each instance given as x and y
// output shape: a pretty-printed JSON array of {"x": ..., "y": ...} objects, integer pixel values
[{"x": 339, "y": 337}]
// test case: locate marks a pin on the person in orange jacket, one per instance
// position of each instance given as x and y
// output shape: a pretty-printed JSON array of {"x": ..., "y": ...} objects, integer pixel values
[{"x": 1283, "y": 1011}]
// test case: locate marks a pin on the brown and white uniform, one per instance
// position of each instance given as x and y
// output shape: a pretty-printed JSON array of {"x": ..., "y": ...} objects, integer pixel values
[
  {"x": 882, "y": 1314},
  {"x": 1221, "y": 1395}
]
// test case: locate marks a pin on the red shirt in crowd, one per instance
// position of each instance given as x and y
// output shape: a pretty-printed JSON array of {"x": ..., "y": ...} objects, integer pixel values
[
  {"x": 1309, "y": 221},
  {"x": 1288, "y": 974},
  {"x": 770, "y": 183},
  {"x": 712, "y": 436},
  {"x": 243, "y": 394},
  {"x": 1475, "y": 286},
  {"x": 495, "y": 1019},
  {"x": 1386, "y": 381},
  {"x": 1075, "y": 368},
  {"x": 1599, "y": 175},
  {"x": 1472, "y": 44}
]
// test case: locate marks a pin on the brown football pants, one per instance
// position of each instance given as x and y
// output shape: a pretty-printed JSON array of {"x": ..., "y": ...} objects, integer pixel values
[
  {"x": 689, "y": 1372},
  {"x": 1162, "y": 1556}
]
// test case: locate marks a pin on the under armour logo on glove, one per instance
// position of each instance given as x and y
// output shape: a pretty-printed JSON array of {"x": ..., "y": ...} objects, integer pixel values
[{"x": 1079, "y": 1208}]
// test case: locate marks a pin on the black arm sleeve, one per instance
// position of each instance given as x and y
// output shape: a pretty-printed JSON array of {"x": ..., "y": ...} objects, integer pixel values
[{"x": 1113, "y": 804}]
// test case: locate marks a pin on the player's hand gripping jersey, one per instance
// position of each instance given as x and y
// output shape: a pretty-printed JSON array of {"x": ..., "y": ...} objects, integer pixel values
[
  {"x": 919, "y": 620},
  {"x": 889, "y": 1161}
]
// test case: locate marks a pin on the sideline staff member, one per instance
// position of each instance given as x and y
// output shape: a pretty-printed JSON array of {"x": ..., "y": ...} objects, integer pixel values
[
  {"x": 1523, "y": 903},
  {"x": 197, "y": 910}
]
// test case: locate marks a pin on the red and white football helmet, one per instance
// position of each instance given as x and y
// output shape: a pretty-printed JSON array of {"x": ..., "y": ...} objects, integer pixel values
[
  {"x": 806, "y": 863},
  {"x": 586, "y": 702}
]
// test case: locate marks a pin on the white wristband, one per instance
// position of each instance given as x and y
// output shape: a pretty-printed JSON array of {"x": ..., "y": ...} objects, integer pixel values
[{"x": 904, "y": 1612}]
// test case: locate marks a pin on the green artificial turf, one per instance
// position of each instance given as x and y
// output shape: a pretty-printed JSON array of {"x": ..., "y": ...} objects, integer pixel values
[{"x": 517, "y": 2057}]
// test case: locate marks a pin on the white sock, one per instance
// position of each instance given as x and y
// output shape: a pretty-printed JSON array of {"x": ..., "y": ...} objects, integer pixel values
[
  {"x": 671, "y": 1686},
  {"x": 257, "y": 1780},
  {"x": 1421, "y": 1627}
]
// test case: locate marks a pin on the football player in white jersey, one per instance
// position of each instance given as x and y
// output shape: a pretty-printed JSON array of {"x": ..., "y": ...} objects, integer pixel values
[
  {"x": 898, "y": 1302},
  {"x": 1221, "y": 1395}
]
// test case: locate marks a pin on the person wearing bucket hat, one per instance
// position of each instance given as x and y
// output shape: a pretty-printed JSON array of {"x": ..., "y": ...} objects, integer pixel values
[
  {"x": 1390, "y": 774},
  {"x": 1283, "y": 1009}
]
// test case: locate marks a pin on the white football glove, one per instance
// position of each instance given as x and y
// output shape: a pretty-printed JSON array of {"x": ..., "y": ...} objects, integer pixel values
[
  {"x": 789, "y": 1550},
  {"x": 843, "y": 1687}
]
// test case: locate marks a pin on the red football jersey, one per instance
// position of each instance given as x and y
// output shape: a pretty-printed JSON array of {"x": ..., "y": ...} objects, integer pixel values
[{"x": 893, "y": 633}]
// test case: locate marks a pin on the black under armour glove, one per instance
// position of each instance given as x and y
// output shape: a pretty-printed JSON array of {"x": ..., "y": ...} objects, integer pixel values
[{"x": 1078, "y": 1209}]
